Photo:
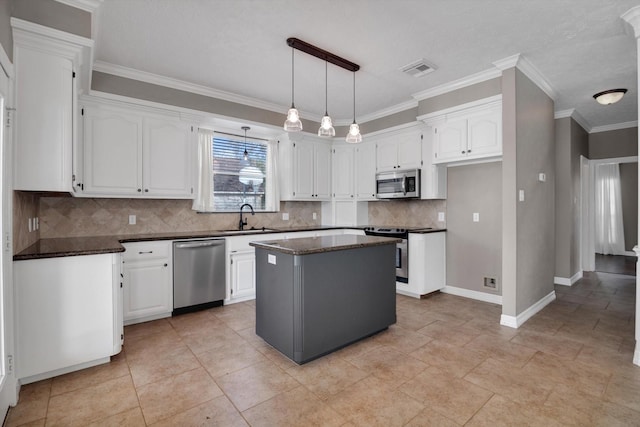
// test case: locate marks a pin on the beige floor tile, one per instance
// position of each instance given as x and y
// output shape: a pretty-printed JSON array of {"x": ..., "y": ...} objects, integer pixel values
[
  {"x": 490, "y": 326},
  {"x": 401, "y": 339},
  {"x": 157, "y": 366},
  {"x": 457, "y": 361},
  {"x": 249, "y": 335},
  {"x": 562, "y": 347},
  {"x": 510, "y": 381},
  {"x": 500, "y": 349},
  {"x": 500, "y": 411},
  {"x": 211, "y": 338},
  {"x": 91, "y": 376},
  {"x": 255, "y": 384},
  {"x": 144, "y": 345},
  {"x": 358, "y": 349},
  {"x": 190, "y": 323},
  {"x": 447, "y": 332},
  {"x": 176, "y": 394},
  {"x": 32, "y": 404},
  {"x": 327, "y": 376},
  {"x": 413, "y": 320},
  {"x": 229, "y": 358},
  {"x": 145, "y": 329},
  {"x": 430, "y": 418},
  {"x": 624, "y": 389},
  {"x": 371, "y": 402},
  {"x": 451, "y": 397},
  {"x": 216, "y": 412},
  {"x": 390, "y": 365},
  {"x": 83, "y": 406},
  {"x": 131, "y": 418},
  {"x": 296, "y": 407},
  {"x": 37, "y": 423},
  {"x": 587, "y": 378}
]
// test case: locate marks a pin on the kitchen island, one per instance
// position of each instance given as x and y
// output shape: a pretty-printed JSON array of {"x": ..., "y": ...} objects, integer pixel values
[{"x": 316, "y": 295}]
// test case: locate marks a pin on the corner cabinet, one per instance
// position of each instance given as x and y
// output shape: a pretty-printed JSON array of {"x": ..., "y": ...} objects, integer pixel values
[
  {"x": 128, "y": 153},
  {"x": 48, "y": 66},
  {"x": 305, "y": 166},
  {"x": 469, "y": 134},
  {"x": 147, "y": 272}
]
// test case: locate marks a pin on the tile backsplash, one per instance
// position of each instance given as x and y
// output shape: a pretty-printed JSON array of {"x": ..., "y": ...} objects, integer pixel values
[
  {"x": 75, "y": 217},
  {"x": 410, "y": 213}
]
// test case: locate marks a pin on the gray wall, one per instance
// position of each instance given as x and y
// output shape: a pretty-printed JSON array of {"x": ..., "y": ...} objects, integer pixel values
[
  {"x": 571, "y": 141},
  {"x": 6, "y": 35},
  {"x": 629, "y": 190},
  {"x": 613, "y": 143},
  {"x": 461, "y": 96},
  {"x": 56, "y": 15},
  {"x": 474, "y": 249},
  {"x": 528, "y": 227}
]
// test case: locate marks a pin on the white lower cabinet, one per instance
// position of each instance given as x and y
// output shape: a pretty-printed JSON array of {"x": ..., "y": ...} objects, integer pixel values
[
  {"x": 67, "y": 315},
  {"x": 243, "y": 274},
  {"x": 427, "y": 264},
  {"x": 147, "y": 281}
]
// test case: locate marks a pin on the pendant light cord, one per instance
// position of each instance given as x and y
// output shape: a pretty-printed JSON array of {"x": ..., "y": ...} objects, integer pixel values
[
  {"x": 326, "y": 90},
  {"x": 293, "y": 76},
  {"x": 354, "y": 97}
]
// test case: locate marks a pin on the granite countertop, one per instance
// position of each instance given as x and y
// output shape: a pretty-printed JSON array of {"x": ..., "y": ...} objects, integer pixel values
[
  {"x": 427, "y": 230},
  {"x": 313, "y": 245}
]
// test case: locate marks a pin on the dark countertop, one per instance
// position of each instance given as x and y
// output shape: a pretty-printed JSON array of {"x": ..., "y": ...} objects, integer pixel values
[
  {"x": 76, "y": 246},
  {"x": 427, "y": 230},
  {"x": 313, "y": 245}
]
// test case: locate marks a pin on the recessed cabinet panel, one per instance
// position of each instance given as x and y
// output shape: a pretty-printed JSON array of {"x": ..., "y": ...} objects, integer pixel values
[
  {"x": 304, "y": 166},
  {"x": 166, "y": 154},
  {"x": 387, "y": 158},
  {"x": 342, "y": 167},
  {"x": 366, "y": 172},
  {"x": 322, "y": 171},
  {"x": 243, "y": 276},
  {"x": 485, "y": 134},
  {"x": 450, "y": 141},
  {"x": 113, "y": 152}
]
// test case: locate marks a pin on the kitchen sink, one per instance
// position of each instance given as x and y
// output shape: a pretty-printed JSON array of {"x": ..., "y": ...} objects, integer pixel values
[{"x": 247, "y": 231}]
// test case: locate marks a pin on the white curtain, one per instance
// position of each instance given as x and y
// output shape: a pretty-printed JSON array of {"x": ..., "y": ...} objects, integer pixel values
[
  {"x": 609, "y": 229},
  {"x": 203, "y": 202},
  {"x": 272, "y": 190}
]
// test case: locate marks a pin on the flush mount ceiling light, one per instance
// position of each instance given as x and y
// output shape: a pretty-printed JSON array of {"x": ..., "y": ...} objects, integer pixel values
[
  {"x": 609, "y": 96},
  {"x": 326, "y": 126},
  {"x": 246, "y": 153},
  {"x": 354, "y": 137},
  {"x": 293, "y": 123}
]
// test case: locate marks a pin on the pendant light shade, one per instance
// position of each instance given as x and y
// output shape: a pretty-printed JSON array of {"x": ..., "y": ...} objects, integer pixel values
[
  {"x": 326, "y": 126},
  {"x": 354, "y": 136},
  {"x": 293, "y": 123},
  {"x": 246, "y": 153}
]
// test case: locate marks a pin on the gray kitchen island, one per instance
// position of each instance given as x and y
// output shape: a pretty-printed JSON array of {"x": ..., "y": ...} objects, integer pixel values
[{"x": 316, "y": 295}]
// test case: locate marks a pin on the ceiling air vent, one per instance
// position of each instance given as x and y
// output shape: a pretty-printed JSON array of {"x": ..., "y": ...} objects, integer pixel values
[{"x": 418, "y": 68}]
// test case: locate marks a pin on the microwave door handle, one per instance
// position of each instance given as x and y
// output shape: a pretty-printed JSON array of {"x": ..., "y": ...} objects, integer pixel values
[{"x": 404, "y": 188}]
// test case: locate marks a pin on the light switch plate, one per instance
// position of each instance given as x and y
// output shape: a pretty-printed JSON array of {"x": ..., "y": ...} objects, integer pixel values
[
  {"x": 315, "y": 215},
  {"x": 271, "y": 259},
  {"x": 521, "y": 195},
  {"x": 476, "y": 217},
  {"x": 132, "y": 220}
]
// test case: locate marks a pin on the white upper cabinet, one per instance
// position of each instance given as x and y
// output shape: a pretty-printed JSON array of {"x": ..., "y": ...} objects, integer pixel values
[
  {"x": 433, "y": 178},
  {"x": 399, "y": 150},
  {"x": 128, "y": 153},
  {"x": 342, "y": 166},
  {"x": 366, "y": 172},
  {"x": 305, "y": 168},
  {"x": 47, "y": 69},
  {"x": 467, "y": 133}
]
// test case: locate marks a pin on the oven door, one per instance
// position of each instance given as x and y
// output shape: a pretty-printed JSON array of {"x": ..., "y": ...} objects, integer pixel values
[{"x": 402, "y": 262}]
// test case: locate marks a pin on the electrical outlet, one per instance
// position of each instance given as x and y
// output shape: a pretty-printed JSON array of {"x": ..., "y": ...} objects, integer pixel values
[
  {"x": 315, "y": 215},
  {"x": 132, "y": 220},
  {"x": 521, "y": 195},
  {"x": 490, "y": 282},
  {"x": 441, "y": 216},
  {"x": 285, "y": 216},
  {"x": 30, "y": 225},
  {"x": 476, "y": 217}
]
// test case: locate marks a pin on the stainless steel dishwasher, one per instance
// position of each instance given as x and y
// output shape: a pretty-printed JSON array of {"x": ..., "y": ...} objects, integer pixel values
[{"x": 198, "y": 275}]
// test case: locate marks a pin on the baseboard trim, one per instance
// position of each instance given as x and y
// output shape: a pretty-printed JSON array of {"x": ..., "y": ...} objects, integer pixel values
[
  {"x": 467, "y": 293},
  {"x": 517, "y": 321},
  {"x": 568, "y": 282},
  {"x": 636, "y": 355}
]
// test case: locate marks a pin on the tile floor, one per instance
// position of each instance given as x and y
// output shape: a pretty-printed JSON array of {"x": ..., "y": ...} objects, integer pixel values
[{"x": 447, "y": 362}]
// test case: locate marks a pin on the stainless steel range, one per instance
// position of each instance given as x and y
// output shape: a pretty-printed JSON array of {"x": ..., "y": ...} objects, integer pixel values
[{"x": 402, "y": 248}]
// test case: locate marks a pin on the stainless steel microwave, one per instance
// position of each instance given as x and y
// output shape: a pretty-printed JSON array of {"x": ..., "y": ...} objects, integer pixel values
[{"x": 403, "y": 184}]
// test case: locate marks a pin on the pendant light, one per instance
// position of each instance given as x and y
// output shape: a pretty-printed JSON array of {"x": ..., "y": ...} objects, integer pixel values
[
  {"x": 293, "y": 123},
  {"x": 354, "y": 137},
  {"x": 326, "y": 127},
  {"x": 246, "y": 153}
]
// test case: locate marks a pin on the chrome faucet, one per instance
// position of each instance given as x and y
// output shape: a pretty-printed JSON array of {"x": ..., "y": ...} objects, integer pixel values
[{"x": 242, "y": 222}]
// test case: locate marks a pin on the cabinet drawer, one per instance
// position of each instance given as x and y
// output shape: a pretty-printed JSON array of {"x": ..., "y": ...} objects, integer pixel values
[{"x": 146, "y": 251}]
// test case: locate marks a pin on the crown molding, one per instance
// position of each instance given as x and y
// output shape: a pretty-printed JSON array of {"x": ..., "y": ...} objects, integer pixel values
[
  {"x": 382, "y": 113},
  {"x": 617, "y": 126},
  {"x": 143, "y": 76},
  {"x": 457, "y": 84},
  {"x": 577, "y": 117},
  {"x": 467, "y": 108},
  {"x": 632, "y": 18},
  {"x": 5, "y": 63},
  {"x": 528, "y": 69},
  {"x": 50, "y": 33},
  {"x": 86, "y": 5}
]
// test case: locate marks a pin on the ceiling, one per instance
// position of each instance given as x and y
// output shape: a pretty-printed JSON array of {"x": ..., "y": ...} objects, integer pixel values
[{"x": 238, "y": 47}]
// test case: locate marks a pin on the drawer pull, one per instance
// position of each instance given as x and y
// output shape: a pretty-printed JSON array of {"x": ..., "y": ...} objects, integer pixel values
[{"x": 147, "y": 252}]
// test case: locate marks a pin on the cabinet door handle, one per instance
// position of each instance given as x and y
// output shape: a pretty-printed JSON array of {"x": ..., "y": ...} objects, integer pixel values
[
  {"x": 146, "y": 190},
  {"x": 166, "y": 264},
  {"x": 147, "y": 252},
  {"x": 463, "y": 152},
  {"x": 469, "y": 150},
  {"x": 139, "y": 190}
]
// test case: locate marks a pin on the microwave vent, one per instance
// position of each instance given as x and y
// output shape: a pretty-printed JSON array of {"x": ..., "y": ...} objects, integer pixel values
[{"x": 418, "y": 68}]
